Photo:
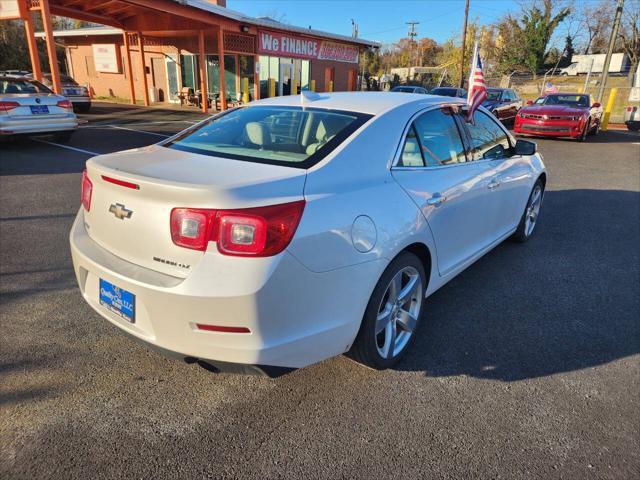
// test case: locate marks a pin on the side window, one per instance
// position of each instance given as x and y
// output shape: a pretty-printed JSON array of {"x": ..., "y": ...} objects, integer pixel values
[
  {"x": 488, "y": 140},
  {"x": 439, "y": 138},
  {"x": 411, "y": 156}
]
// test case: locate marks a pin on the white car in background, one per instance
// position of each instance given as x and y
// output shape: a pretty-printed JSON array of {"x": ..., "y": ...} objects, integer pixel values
[
  {"x": 294, "y": 229},
  {"x": 29, "y": 107}
]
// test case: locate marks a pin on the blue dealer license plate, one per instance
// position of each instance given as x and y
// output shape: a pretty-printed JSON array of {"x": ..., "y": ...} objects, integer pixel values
[
  {"x": 39, "y": 109},
  {"x": 118, "y": 301}
]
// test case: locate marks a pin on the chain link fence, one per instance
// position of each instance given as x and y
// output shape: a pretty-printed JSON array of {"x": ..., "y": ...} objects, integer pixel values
[{"x": 530, "y": 88}]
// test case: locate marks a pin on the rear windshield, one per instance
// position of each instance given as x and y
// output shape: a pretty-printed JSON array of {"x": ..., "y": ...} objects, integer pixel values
[
  {"x": 447, "y": 92},
  {"x": 8, "y": 86},
  {"x": 291, "y": 136}
]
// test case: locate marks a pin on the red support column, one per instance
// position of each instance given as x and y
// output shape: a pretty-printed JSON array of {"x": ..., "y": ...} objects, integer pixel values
[
  {"x": 129, "y": 69},
  {"x": 51, "y": 46},
  {"x": 256, "y": 78},
  {"x": 203, "y": 72},
  {"x": 143, "y": 71},
  {"x": 31, "y": 40},
  {"x": 223, "y": 88}
]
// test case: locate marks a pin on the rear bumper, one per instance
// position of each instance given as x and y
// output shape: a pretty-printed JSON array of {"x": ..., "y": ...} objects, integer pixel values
[
  {"x": 10, "y": 126},
  {"x": 296, "y": 317},
  {"x": 78, "y": 100}
]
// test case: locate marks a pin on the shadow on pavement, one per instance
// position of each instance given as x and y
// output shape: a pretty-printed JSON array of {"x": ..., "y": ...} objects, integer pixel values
[{"x": 566, "y": 300}]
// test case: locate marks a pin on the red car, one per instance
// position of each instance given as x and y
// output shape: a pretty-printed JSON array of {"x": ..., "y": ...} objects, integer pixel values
[{"x": 560, "y": 115}]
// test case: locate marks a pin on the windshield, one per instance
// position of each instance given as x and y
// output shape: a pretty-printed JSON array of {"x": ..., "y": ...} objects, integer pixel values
[
  {"x": 17, "y": 86},
  {"x": 403, "y": 89},
  {"x": 447, "y": 92},
  {"x": 493, "y": 94},
  {"x": 290, "y": 136},
  {"x": 570, "y": 100}
]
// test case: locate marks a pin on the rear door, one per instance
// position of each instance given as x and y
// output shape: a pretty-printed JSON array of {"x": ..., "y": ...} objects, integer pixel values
[{"x": 449, "y": 188}]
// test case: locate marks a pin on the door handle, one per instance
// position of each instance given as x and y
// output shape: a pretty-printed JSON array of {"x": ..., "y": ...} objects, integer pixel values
[
  {"x": 436, "y": 200},
  {"x": 493, "y": 184}
]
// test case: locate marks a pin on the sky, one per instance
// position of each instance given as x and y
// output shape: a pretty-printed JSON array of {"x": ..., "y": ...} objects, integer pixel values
[{"x": 379, "y": 20}]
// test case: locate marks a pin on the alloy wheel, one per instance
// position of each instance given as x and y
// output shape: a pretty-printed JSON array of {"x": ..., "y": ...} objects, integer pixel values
[
  {"x": 398, "y": 312},
  {"x": 533, "y": 209}
]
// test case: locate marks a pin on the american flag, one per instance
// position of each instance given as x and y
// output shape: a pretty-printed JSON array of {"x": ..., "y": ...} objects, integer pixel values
[{"x": 477, "y": 90}]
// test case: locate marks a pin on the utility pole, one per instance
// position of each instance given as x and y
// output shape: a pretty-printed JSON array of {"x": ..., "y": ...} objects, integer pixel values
[
  {"x": 412, "y": 39},
  {"x": 612, "y": 44},
  {"x": 464, "y": 41}
]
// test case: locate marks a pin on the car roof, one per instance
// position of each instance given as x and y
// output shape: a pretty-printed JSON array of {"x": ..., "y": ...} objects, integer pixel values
[{"x": 372, "y": 103}]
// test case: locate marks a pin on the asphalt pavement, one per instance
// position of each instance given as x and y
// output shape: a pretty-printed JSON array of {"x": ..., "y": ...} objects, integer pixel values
[{"x": 527, "y": 365}]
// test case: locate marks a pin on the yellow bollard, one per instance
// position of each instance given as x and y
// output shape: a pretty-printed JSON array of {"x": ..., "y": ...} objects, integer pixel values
[
  {"x": 607, "y": 111},
  {"x": 330, "y": 89},
  {"x": 245, "y": 89},
  {"x": 272, "y": 87},
  {"x": 313, "y": 85},
  {"x": 294, "y": 87}
]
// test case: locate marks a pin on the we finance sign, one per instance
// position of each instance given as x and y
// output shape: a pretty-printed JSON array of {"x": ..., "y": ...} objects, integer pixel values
[{"x": 296, "y": 46}]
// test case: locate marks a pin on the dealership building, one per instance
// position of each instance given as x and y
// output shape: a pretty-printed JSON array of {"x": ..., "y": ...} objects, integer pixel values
[{"x": 166, "y": 50}]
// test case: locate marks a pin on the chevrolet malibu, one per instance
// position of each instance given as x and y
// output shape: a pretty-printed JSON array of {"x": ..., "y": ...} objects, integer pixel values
[{"x": 294, "y": 229}]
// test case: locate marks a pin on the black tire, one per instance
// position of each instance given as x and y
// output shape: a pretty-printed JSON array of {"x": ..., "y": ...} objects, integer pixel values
[
  {"x": 522, "y": 233},
  {"x": 62, "y": 137},
  {"x": 83, "y": 108},
  {"x": 585, "y": 132},
  {"x": 633, "y": 128},
  {"x": 366, "y": 346}
]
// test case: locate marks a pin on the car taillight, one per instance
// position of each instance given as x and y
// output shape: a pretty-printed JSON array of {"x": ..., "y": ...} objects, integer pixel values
[
  {"x": 192, "y": 227},
  {"x": 6, "y": 106},
  {"x": 87, "y": 188},
  {"x": 254, "y": 232},
  {"x": 65, "y": 103}
]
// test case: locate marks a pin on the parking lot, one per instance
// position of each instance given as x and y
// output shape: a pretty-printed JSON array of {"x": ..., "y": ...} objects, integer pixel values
[{"x": 526, "y": 365}]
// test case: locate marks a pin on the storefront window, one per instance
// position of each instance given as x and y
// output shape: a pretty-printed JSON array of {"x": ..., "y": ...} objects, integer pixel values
[
  {"x": 230, "y": 77},
  {"x": 213, "y": 74},
  {"x": 275, "y": 67},
  {"x": 190, "y": 77}
]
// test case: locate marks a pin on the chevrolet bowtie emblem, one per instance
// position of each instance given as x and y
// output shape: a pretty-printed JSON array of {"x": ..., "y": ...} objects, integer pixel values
[{"x": 120, "y": 211}]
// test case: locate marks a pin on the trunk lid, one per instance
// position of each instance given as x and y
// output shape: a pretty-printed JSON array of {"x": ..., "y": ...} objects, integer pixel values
[
  {"x": 28, "y": 100},
  {"x": 168, "y": 179}
]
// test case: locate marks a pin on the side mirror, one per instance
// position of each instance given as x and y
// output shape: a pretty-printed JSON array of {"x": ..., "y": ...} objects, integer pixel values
[
  {"x": 525, "y": 147},
  {"x": 529, "y": 102},
  {"x": 596, "y": 105}
]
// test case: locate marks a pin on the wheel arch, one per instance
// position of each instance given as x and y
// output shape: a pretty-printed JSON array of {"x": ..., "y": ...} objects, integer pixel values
[{"x": 421, "y": 251}]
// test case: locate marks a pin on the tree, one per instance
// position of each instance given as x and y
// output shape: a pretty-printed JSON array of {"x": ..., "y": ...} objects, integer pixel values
[
  {"x": 629, "y": 34},
  {"x": 14, "y": 51},
  {"x": 595, "y": 21},
  {"x": 537, "y": 27}
]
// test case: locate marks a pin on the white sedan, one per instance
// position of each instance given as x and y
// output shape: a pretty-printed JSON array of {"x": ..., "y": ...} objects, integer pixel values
[
  {"x": 294, "y": 229},
  {"x": 29, "y": 107}
]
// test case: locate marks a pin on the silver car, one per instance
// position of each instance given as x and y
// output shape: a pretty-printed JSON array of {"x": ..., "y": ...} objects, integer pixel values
[
  {"x": 29, "y": 107},
  {"x": 78, "y": 94}
]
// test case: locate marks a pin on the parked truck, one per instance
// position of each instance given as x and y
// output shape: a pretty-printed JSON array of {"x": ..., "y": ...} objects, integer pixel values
[{"x": 582, "y": 63}]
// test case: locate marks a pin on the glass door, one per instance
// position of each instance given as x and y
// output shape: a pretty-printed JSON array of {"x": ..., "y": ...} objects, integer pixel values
[
  {"x": 246, "y": 69},
  {"x": 172, "y": 79}
]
